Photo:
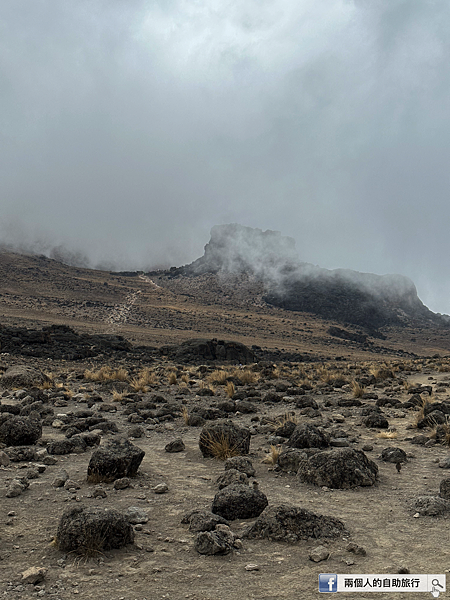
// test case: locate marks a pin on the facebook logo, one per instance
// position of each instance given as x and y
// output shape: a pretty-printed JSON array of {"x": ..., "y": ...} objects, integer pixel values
[{"x": 328, "y": 582}]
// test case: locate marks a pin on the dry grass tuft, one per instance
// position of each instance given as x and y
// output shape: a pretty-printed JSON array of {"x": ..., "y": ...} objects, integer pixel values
[
  {"x": 246, "y": 376},
  {"x": 358, "y": 390},
  {"x": 172, "y": 379},
  {"x": 185, "y": 415},
  {"x": 118, "y": 396},
  {"x": 272, "y": 456},
  {"x": 218, "y": 377},
  {"x": 106, "y": 373},
  {"x": 230, "y": 389},
  {"x": 388, "y": 435},
  {"x": 220, "y": 446}
]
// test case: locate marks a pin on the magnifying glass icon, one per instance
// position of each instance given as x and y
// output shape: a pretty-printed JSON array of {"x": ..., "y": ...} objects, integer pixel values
[{"x": 436, "y": 583}]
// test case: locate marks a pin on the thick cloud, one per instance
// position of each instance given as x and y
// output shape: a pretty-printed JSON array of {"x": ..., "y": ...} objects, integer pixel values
[{"x": 129, "y": 129}]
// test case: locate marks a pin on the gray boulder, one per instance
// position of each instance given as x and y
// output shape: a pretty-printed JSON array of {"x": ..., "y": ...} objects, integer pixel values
[
  {"x": 340, "y": 469},
  {"x": 292, "y": 523},
  {"x": 430, "y": 506},
  {"x": 203, "y": 520},
  {"x": 308, "y": 436},
  {"x": 289, "y": 459},
  {"x": 394, "y": 455},
  {"x": 90, "y": 531},
  {"x": 116, "y": 459},
  {"x": 214, "y": 542},
  {"x": 20, "y": 431},
  {"x": 238, "y": 501},
  {"x": 23, "y": 377}
]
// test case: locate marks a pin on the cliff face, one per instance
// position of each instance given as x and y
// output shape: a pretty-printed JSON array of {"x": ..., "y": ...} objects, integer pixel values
[{"x": 364, "y": 299}]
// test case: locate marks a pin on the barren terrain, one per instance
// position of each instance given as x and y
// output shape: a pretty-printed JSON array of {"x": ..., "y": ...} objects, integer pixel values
[{"x": 163, "y": 563}]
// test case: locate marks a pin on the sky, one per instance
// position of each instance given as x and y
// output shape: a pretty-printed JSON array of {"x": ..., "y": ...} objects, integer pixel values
[{"x": 129, "y": 128}]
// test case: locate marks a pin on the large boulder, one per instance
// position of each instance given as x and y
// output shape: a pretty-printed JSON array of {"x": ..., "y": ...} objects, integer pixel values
[
  {"x": 20, "y": 376},
  {"x": 90, "y": 531},
  {"x": 308, "y": 436},
  {"x": 341, "y": 469},
  {"x": 116, "y": 459},
  {"x": 20, "y": 431},
  {"x": 223, "y": 439},
  {"x": 239, "y": 501},
  {"x": 292, "y": 523}
]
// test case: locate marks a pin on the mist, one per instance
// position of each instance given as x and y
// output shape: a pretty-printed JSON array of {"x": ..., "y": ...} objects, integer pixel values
[{"x": 128, "y": 130}]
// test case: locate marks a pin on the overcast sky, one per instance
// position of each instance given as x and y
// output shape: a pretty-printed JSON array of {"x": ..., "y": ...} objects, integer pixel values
[{"x": 128, "y": 128}]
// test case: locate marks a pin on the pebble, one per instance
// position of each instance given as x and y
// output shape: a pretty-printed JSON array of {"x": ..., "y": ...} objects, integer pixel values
[
  {"x": 161, "y": 488},
  {"x": 252, "y": 567},
  {"x": 319, "y": 554}
]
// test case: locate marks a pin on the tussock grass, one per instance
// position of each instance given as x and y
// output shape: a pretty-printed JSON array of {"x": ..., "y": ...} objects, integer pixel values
[
  {"x": 387, "y": 435},
  {"x": 220, "y": 446},
  {"x": 106, "y": 373},
  {"x": 172, "y": 379},
  {"x": 185, "y": 415},
  {"x": 218, "y": 377},
  {"x": 118, "y": 396},
  {"x": 230, "y": 389},
  {"x": 272, "y": 455},
  {"x": 246, "y": 376},
  {"x": 358, "y": 390}
]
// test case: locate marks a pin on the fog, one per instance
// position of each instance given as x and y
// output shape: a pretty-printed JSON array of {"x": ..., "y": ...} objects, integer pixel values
[{"x": 129, "y": 129}]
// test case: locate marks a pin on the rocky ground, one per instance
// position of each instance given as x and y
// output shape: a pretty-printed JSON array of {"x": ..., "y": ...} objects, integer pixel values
[{"x": 355, "y": 406}]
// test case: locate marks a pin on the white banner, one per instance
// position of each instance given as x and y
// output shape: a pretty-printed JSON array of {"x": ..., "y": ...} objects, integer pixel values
[{"x": 337, "y": 582}]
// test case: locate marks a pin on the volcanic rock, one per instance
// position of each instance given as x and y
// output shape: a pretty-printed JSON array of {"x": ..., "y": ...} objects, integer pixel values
[
  {"x": 339, "y": 469},
  {"x": 291, "y": 523}
]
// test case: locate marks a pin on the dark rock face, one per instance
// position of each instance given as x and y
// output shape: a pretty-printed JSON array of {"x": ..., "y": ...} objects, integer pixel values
[
  {"x": 308, "y": 436},
  {"x": 239, "y": 501},
  {"x": 118, "y": 458},
  {"x": 363, "y": 299},
  {"x": 292, "y": 523},
  {"x": 393, "y": 455},
  {"x": 194, "y": 351},
  {"x": 90, "y": 531},
  {"x": 57, "y": 342},
  {"x": 224, "y": 432},
  {"x": 339, "y": 469},
  {"x": 240, "y": 463},
  {"x": 20, "y": 431}
]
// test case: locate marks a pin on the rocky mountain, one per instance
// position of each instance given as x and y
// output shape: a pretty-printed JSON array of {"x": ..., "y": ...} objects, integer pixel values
[{"x": 363, "y": 299}]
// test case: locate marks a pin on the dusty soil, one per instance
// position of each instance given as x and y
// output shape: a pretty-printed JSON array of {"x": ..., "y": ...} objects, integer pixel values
[{"x": 163, "y": 563}]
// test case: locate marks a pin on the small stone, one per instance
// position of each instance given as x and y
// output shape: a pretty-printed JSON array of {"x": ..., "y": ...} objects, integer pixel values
[
  {"x": 416, "y": 515},
  {"x": 403, "y": 571},
  {"x": 4, "y": 459},
  {"x": 49, "y": 460},
  {"x": 71, "y": 485},
  {"x": 60, "y": 479},
  {"x": 367, "y": 448},
  {"x": 136, "y": 515},
  {"x": 161, "y": 488},
  {"x": 99, "y": 493},
  {"x": 175, "y": 446},
  {"x": 34, "y": 575},
  {"x": 252, "y": 567},
  {"x": 319, "y": 554},
  {"x": 352, "y": 547},
  {"x": 122, "y": 484}
]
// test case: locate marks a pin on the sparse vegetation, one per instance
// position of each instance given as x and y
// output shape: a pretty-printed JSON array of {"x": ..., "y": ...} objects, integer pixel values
[
  {"x": 230, "y": 389},
  {"x": 358, "y": 390},
  {"x": 106, "y": 373},
  {"x": 220, "y": 446},
  {"x": 272, "y": 456}
]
